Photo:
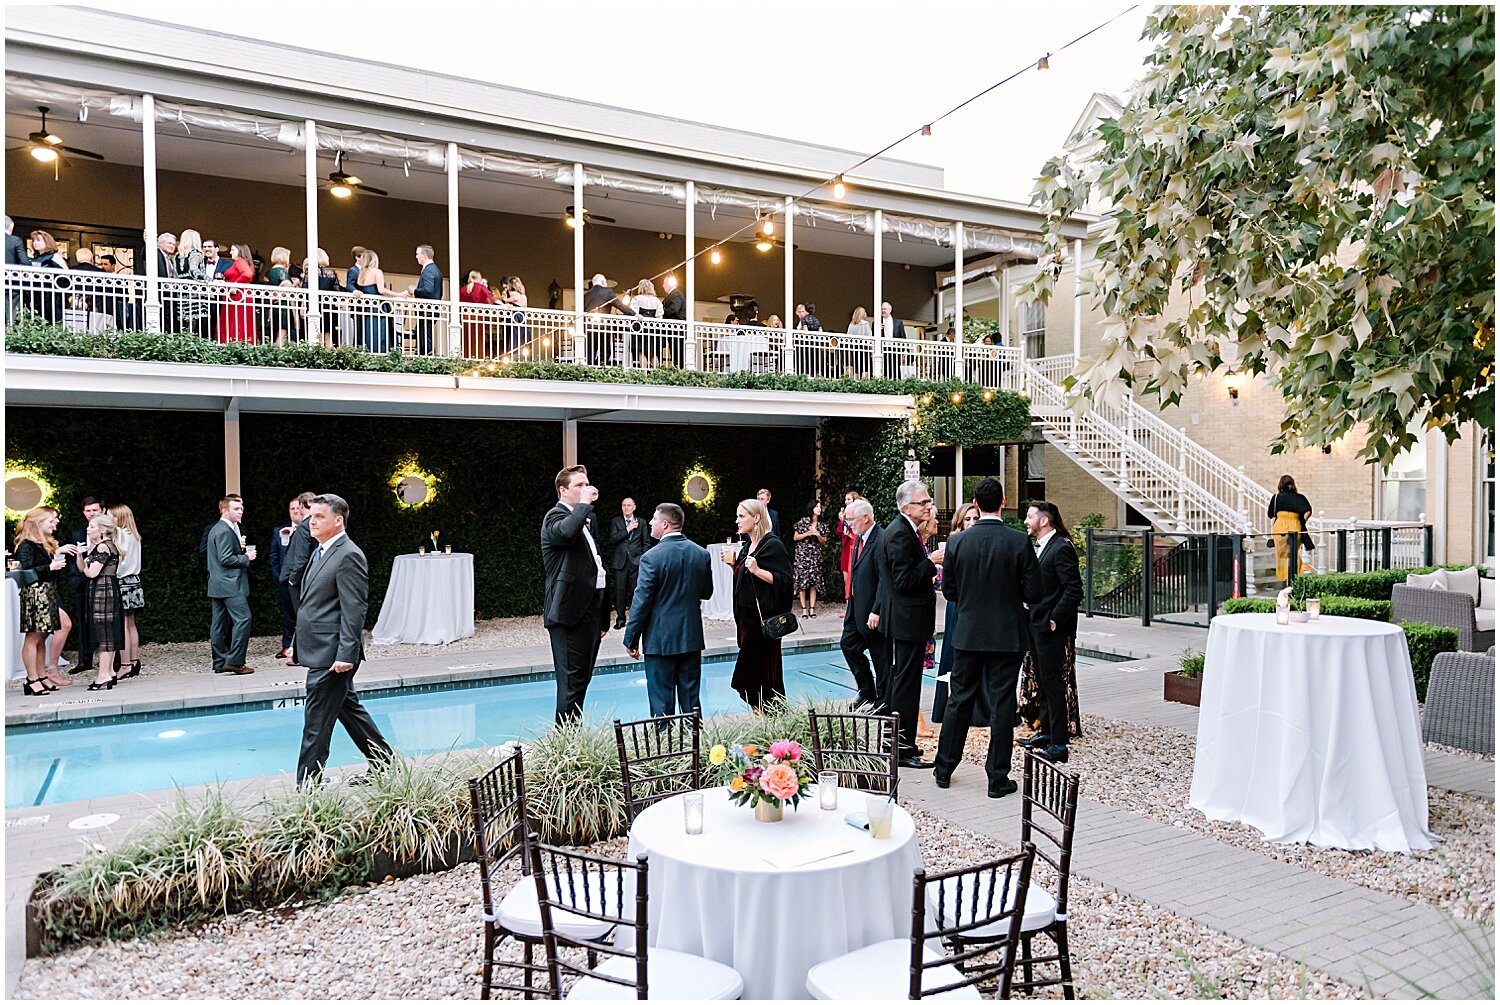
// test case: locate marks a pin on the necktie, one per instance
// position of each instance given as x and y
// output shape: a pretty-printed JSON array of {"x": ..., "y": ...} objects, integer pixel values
[
  {"x": 860, "y": 550},
  {"x": 317, "y": 556}
]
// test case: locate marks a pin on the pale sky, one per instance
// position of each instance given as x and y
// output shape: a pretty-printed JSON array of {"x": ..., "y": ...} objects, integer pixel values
[{"x": 851, "y": 75}]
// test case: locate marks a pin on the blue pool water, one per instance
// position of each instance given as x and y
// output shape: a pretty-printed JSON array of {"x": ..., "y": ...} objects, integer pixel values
[{"x": 59, "y": 763}]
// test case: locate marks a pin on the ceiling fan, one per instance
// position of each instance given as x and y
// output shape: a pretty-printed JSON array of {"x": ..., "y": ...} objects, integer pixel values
[
  {"x": 571, "y": 218},
  {"x": 46, "y": 146},
  {"x": 342, "y": 185}
]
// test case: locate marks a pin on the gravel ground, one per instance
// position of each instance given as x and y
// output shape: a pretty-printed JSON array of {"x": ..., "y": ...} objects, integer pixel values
[
  {"x": 420, "y": 938},
  {"x": 1149, "y": 769}
]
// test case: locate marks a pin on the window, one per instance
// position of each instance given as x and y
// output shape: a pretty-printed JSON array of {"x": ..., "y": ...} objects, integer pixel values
[
  {"x": 1034, "y": 329},
  {"x": 1486, "y": 535},
  {"x": 1403, "y": 484}
]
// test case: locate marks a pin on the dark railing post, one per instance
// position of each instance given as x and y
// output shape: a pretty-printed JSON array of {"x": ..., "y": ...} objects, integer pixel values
[
  {"x": 1242, "y": 580},
  {"x": 1385, "y": 547},
  {"x": 1213, "y": 575},
  {"x": 1427, "y": 555},
  {"x": 1088, "y": 572},
  {"x": 1293, "y": 555},
  {"x": 1342, "y": 558},
  {"x": 1147, "y": 560}
]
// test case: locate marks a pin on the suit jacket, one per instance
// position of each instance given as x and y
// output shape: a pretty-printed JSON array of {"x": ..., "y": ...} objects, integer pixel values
[
  {"x": 15, "y": 250},
  {"x": 629, "y": 545},
  {"x": 276, "y": 551},
  {"x": 898, "y": 328},
  {"x": 674, "y": 306},
  {"x": 602, "y": 300},
  {"x": 568, "y": 564},
  {"x": 76, "y": 579},
  {"x": 809, "y": 324},
  {"x": 430, "y": 283},
  {"x": 221, "y": 266},
  {"x": 910, "y": 609},
  {"x": 1061, "y": 589},
  {"x": 865, "y": 581},
  {"x": 351, "y": 277},
  {"x": 676, "y": 577},
  {"x": 989, "y": 571},
  {"x": 775, "y": 521},
  {"x": 228, "y": 565},
  {"x": 166, "y": 268},
  {"x": 298, "y": 551},
  {"x": 332, "y": 608}
]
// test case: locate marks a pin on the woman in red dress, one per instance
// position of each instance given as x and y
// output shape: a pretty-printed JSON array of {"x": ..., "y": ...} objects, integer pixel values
[
  {"x": 847, "y": 538},
  {"x": 237, "y": 317},
  {"x": 475, "y": 291}
]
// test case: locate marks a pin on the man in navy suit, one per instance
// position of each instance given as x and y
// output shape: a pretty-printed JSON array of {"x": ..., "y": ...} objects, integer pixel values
[
  {"x": 666, "y": 614},
  {"x": 862, "y": 631},
  {"x": 764, "y": 495},
  {"x": 429, "y": 287}
]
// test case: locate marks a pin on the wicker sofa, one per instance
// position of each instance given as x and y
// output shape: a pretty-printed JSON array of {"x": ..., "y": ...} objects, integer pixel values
[
  {"x": 1460, "y": 600},
  {"x": 1460, "y": 709}
]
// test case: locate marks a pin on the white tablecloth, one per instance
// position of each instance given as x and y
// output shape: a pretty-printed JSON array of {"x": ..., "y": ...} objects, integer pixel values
[
  {"x": 430, "y": 600},
  {"x": 714, "y": 894},
  {"x": 720, "y": 607},
  {"x": 1309, "y": 733},
  {"x": 14, "y": 668},
  {"x": 739, "y": 347}
]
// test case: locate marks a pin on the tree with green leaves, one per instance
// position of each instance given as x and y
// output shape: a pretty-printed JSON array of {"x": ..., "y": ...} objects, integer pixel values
[{"x": 1312, "y": 188}]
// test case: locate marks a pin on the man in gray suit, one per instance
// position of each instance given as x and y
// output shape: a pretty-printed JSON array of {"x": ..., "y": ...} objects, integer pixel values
[
  {"x": 675, "y": 578},
  {"x": 229, "y": 587},
  {"x": 330, "y": 641}
]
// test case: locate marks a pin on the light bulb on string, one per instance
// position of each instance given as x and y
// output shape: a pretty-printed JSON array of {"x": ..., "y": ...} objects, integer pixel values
[
  {"x": 839, "y": 191},
  {"x": 927, "y": 129},
  {"x": 1042, "y": 63},
  {"x": 714, "y": 258},
  {"x": 768, "y": 226}
]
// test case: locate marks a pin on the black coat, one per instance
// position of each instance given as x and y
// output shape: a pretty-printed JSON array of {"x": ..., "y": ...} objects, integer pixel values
[
  {"x": 776, "y": 596},
  {"x": 989, "y": 571},
  {"x": 1062, "y": 589},
  {"x": 298, "y": 551},
  {"x": 15, "y": 251},
  {"x": 567, "y": 563},
  {"x": 865, "y": 580},
  {"x": 674, "y": 306},
  {"x": 602, "y": 300},
  {"x": 910, "y": 609},
  {"x": 629, "y": 545}
]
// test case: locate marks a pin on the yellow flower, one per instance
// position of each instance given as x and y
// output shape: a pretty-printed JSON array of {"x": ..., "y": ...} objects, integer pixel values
[
  {"x": 737, "y": 785},
  {"x": 717, "y": 755}
]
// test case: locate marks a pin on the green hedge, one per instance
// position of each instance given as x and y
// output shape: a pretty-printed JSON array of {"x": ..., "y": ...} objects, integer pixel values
[
  {"x": 1374, "y": 585},
  {"x": 1343, "y": 607}
]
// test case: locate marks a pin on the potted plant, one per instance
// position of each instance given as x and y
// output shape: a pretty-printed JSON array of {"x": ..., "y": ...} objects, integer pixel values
[{"x": 1184, "y": 684}]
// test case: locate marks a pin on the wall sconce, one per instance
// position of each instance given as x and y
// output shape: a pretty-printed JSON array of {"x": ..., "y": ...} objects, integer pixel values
[
  {"x": 1328, "y": 448},
  {"x": 1233, "y": 378}
]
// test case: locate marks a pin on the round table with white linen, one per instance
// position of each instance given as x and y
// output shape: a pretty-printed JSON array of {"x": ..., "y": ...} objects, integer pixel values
[
  {"x": 720, "y": 607},
  {"x": 430, "y": 600},
  {"x": 715, "y": 894},
  {"x": 14, "y": 668},
  {"x": 1309, "y": 732}
]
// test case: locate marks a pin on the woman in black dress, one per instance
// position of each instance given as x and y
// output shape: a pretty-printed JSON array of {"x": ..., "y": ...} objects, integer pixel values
[
  {"x": 762, "y": 589},
  {"x": 810, "y": 534},
  {"x": 101, "y": 603},
  {"x": 40, "y": 558}
]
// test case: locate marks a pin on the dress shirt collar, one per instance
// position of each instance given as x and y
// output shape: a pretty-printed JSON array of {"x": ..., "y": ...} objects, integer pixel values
[
  {"x": 1041, "y": 542},
  {"x": 991, "y": 516},
  {"x": 670, "y": 533},
  {"x": 323, "y": 548}
]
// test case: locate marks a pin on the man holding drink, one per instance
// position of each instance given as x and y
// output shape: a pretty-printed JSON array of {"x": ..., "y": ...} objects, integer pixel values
[{"x": 229, "y": 561}]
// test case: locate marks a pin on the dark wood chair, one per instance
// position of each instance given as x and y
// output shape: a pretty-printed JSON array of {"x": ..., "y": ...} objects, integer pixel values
[
  {"x": 1049, "y": 815},
  {"x": 659, "y": 757},
  {"x": 862, "y": 748}
]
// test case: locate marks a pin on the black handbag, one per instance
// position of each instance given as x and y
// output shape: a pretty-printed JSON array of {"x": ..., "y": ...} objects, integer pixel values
[{"x": 777, "y": 626}]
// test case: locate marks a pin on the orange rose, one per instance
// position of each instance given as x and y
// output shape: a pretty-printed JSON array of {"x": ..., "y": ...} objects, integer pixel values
[
  {"x": 751, "y": 750},
  {"x": 737, "y": 785}
]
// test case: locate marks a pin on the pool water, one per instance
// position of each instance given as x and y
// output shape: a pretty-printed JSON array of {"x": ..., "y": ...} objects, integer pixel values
[{"x": 58, "y": 763}]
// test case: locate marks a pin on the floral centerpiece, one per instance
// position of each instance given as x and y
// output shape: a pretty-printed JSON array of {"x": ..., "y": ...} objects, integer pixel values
[
  {"x": 432, "y": 541},
  {"x": 766, "y": 780}
]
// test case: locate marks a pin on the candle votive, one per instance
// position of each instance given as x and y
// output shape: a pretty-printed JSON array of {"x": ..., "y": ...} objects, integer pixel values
[
  {"x": 692, "y": 813},
  {"x": 447, "y": 549},
  {"x": 828, "y": 790},
  {"x": 1283, "y": 614},
  {"x": 1314, "y": 608},
  {"x": 422, "y": 550}
]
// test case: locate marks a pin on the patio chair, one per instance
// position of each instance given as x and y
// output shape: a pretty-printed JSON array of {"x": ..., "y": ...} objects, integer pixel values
[
  {"x": 1460, "y": 708},
  {"x": 659, "y": 757},
  {"x": 987, "y": 897},
  {"x": 498, "y": 798},
  {"x": 863, "y": 749},
  {"x": 1454, "y": 609},
  {"x": 576, "y": 884}
]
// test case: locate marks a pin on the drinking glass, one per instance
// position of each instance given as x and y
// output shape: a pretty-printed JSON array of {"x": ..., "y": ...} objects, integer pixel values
[
  {"x": 422, "y": 549},
  {"x": 828, "y": 790},
  {"x": 692, "y": 812},
  {"x": 880, "y": 809}
]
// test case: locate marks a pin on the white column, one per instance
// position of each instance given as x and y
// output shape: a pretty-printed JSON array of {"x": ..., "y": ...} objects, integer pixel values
[
  {"x": 1437, "y": 501},
  {"x": 232, "y": 446},
  {"x": 789, "y": 210},
  {"x": 689, "y": 281},
  {"x": 1182, "y": 479},
  {"x": 580, "y": 338},
  {"x": 879, "y": 354},
  {"x": 1005, "y": 309},
  {"x": 1077, "y": 301},
  {"x": 958, "y": 299},
  {"x": 958, "y": 476},
  {"x": 148, "y": 179},
  {"x": 570, "y": 437},
  {"x": 455, "y": 281},
  {"x": 310, "y": 276}
]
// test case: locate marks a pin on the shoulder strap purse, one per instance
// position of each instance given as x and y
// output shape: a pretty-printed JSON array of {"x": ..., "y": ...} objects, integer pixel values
[{"x": 777, "y": 626}]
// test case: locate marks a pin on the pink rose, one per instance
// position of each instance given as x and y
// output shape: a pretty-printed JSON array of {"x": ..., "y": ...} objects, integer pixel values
[
  {"x": 780, "y": 780},
  {"x": 786, "y": 750}
]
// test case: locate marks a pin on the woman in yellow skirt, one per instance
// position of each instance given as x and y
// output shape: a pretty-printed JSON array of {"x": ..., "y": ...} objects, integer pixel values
[{"x": 1289, "y": 509}]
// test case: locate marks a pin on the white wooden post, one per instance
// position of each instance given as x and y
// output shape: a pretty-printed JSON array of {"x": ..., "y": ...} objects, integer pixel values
[
  {"x": 310, "y": 275},
  {"x": 1129, "y": 427},
  {"x": 1182, "y": 481},
  {"x": 1005, "y": 309},
  {"x": 879, "y": 353},
  {"x": 148, "y": 179},
  {"x": 1240, "y": 501},
  {"x": 958, "y": 300},
  {"x": 789, "y": 211},
  {"x": 689, "y": 283},
  {"x": 455, "y": 329},
  {"x": 1077, "y": 302},
  {"x": 580, "y": 336}
]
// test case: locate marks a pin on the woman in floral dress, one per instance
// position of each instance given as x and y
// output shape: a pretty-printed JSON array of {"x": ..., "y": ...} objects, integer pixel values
[{"x": 809, "y": 536}]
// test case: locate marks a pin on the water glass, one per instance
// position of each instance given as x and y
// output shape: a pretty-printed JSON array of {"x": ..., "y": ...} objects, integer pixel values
[
  {"x": 880, "y": 809},
  {"x": 692, "y": 812},
  {"x": 828, "y": 790},
  {"x": 447, "y": 549},
  {"x": 1314, "y": 608}
]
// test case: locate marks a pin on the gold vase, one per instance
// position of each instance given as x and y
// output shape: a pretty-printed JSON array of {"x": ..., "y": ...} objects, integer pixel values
[{"x": 767, "y": 813}]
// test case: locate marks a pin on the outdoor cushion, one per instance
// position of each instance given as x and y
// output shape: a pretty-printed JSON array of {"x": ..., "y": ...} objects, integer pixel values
[
  {"x": 1487, "y": 594},
  {"x": 880, "y": 973},
  {"x": 1037, "y": 913},
  {"x": 1484, "y": 620},
  {"x": 1429, "y": 581},
  {"x": 670, "y": 976},
  {"x": 520, "y": 913},
  {"x": 1465, "y": 581}
]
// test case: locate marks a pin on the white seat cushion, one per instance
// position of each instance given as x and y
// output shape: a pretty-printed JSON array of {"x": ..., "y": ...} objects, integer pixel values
[
  {"x": 520, "y": 913},
  {"x": 1484, "y": 621},
  {"x": 1430, "y": 581},
  {"x": 1487, "y": 594},
  {"x": 670, "y": 976},
  {"x": 1464, "y": 581},
  {"x": 881, "y": 972},
  {"x": 1039, "y": 911}
]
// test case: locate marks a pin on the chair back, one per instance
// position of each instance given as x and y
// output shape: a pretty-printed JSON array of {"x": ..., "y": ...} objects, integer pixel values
[
  {"x": 1049, "y": 812},
  {"x": 594, "y": 887},
  {"x": 498, "y": 799},
  {"x": 1460, "y": 707},
  {"x": 972, "y": 897},
  {"x": 863, "y": 749},
  {"x": 659, "y": 757}
]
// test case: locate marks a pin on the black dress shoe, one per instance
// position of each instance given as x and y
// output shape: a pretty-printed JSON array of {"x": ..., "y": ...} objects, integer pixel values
[
  {"x": 941, "y": 781},
  {"x": 1005, "y": 788},
  {"x": 915, "y": 761},
  {"x": 1054, "y": 753},
  {"x": 1037, "y": 742}
]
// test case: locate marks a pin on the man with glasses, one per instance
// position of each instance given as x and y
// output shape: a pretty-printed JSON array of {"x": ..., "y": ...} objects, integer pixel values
[{"x": 910, "y": 610}]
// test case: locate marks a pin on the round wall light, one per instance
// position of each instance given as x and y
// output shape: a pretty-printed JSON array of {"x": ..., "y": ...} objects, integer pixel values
[
  {"x": 413, "y": 486},
  {"x": 698, "y": 488},
  {"x": 25, "y": 489}
]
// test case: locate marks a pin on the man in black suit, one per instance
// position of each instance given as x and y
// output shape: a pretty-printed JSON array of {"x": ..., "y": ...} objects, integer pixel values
[
  {"x": 288, "y": 561},
  {"x": 862, "y": 627},
  {"x": 600, "y": 299},
  {"x": 15, "y": 254},
  {"x": 909, "y": 611},
  {"x": 764, "y": 495},
  {"x": 429, "y": 287},
  {"x": 991, "y": 572},
  {"x": 628, "y": 538},
  {"x": 674, "y": 304},
  {"x": 91, "y": 508},
  {"x": 166, "y": 268},
  {"x": 888, "y": 326},
  {"x": 574, "y": 578},
  {"x": 330, "y": 641},
  {"x": 1054, "y": 622}
]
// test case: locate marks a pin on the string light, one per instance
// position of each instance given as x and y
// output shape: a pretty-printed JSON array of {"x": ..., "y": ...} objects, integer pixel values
[
  {"x": 957, "y": 398},
  {"x": 839, "y": 191},
  {"x": 927, "y": 129},
  {"x": 768, "y": 226},
  {"x": 714, "y": 258},
  {"x": 1042, "y": 63}
]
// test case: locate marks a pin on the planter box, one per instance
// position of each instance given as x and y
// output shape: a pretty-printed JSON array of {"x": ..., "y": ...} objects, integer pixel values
[{"x": 1176, "y": 687}]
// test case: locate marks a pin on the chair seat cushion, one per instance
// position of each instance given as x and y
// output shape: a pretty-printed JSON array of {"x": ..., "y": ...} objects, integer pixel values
[
  {"x": 1484, "y": 620},
  {"x": 670, "y": 976},
  {"x": 1487, "y": 594},
  {"x": 1039, "y": 911},
  {"x": 520, "y": 913},
  {"x": 1464, "y": 581},
  {"x": 881, "y": 972}
]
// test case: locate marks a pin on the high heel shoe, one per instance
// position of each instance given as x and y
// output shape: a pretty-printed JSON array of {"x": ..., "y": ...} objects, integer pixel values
[
  {"x": 135, "y": 671},
  {"x": 108, "y": 685},
  {"x": 37, "y": 683}
]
